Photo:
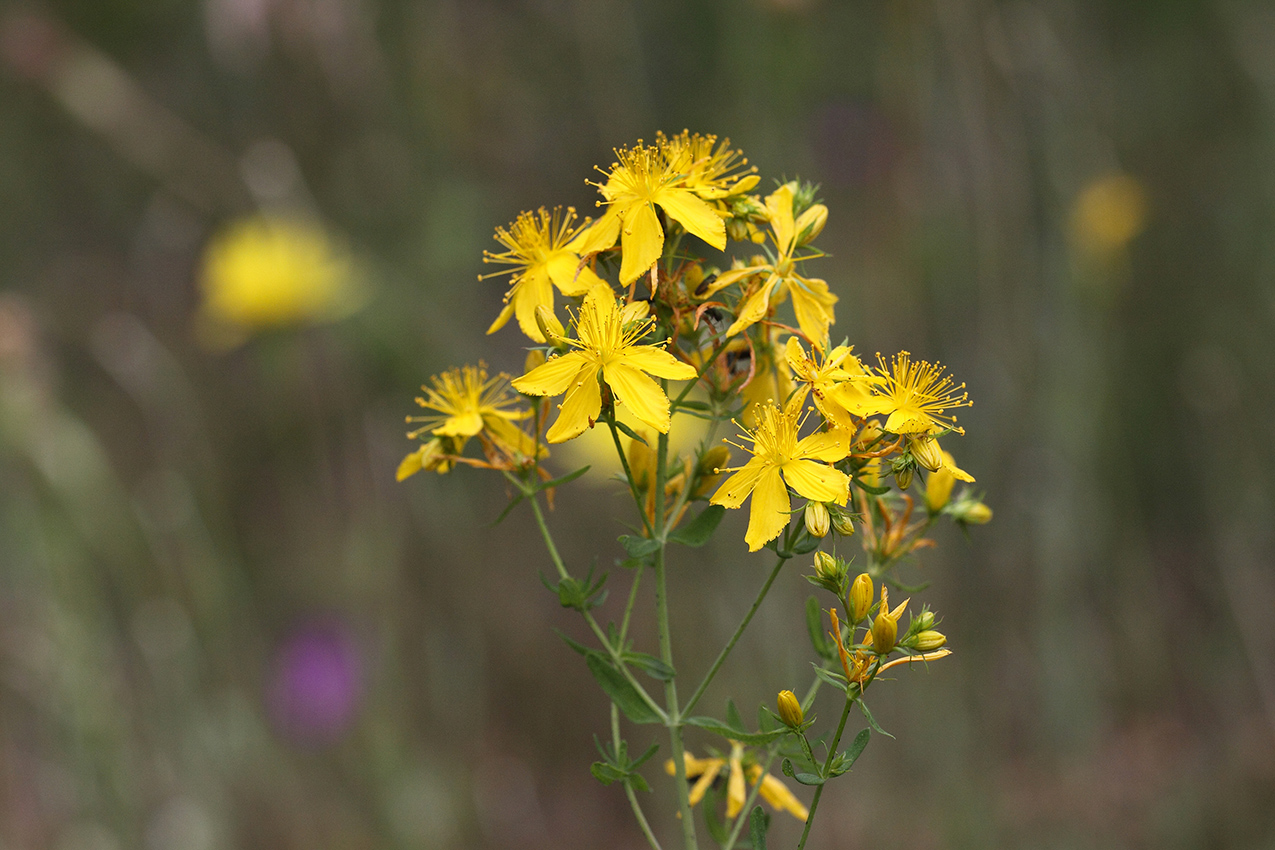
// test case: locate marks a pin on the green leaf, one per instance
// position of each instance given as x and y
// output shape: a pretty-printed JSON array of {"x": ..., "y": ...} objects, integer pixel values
[
  {"x": 650, "y": 751},
  {"x": 688, "y": 404},
  {"x": 716, "y": 828},
  {"x": 845, "y": 760},
  {"x": 829, "y": 677},
  {"x": 629, "y": 432},
  {"x": 876, "y": 491},
  {"x": 751, "y": 738},
  {"x": 700, "y": 529},
  {"x": 639, "y": 547},
  {"x": 809, "y": 779},
  {"x": 805, "y": 544},
  {"x": 606, "y": 773},
  {"x": 557, "y": 482},
  {"x": 872, "y": 721},
  {"x": 623, "y": 694},
  {"x": 652, "y": 666},
  {"x": 509, "y": 507},
  {"x": 814, "y": 625},
  {"x": 758, "y": 823},
  {"x": 574, "y": 644},
  {"x": 733, "y": 717}
]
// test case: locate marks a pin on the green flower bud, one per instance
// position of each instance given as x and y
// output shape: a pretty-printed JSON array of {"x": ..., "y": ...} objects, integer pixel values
[
  {"x": 928, "y": 640},
  {"x": 860, "y": 601},
  {"x": 841, "y": 521}
]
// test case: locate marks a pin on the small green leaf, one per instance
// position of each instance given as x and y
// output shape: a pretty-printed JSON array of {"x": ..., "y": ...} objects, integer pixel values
[
  {"x": 574, "y": 644},
  {"x": 876, "y": 491},
  {"x": 623, "y": 694},
  {"x": 629, "y": 432},
  {"x": 758, "y": 823},
  {"x": 831, "y": 678},
  {"x": 805, "y": 544},
  {"x": 733, "y": 718},
  {"x": 856, "y": 748},
  {"x": 557, "y": 482},
  {"x": 872, "y": 721},
  {"x": 808, "y": 779},
  {"x": 513, "y": 503},
  {"x": 652, "y": 666},
  {"x": 606, "y": 773},
  {"x": 814, "y": 625},
  {"x": 699, "y": 530},
  {"x": 734, "y": 734},
  {"x": 639, "y": 547}
]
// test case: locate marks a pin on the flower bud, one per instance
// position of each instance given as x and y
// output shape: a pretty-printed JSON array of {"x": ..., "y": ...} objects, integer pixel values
[
  {"x": 903, "y": 477},
  {"x": 642, "y": 461},
  {"x": 938, "y": 489},
  {"x": 860, "y": 600},
  {"x": 790, "y": 709},
  {"x": 548, "y": 324},
  {"x": 841, "y": 521},
  {"x": 924, "y": 621},
  {"x": 927, "y": 452},
  {"x": 928, "y": 640},
  {"x": 706, "y": 471},
  {"x": 635, "y": 311},
  {"x": 884, "y": 633},
  {"x": 535, "y": 359},
  {"x": 810, "y": 223},
  {"x": 817, "y": 519},
  {"x": 972, "y": 512},
  {"x": 826, "y": 566}
]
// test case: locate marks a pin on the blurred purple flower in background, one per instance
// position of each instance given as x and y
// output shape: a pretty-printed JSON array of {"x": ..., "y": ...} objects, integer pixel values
[{"x": 315, "y": 686}]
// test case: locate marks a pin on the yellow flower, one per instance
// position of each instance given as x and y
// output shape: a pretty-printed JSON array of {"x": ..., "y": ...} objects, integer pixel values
[
  {"x": 840, "y": 385},
  {"x": 466, "y": 403},
  {"x": 641, "y": 180},
  {"x": 706, "y": 771},
  {"x": 1108, "y": 213},
  {"x": 541, "y": 252},
  {"x": 916, "y": 394},
  {"x": 707, "y": 171},
  {"x": 607, "y": 343},
  {"x": 781, "y": 460},
  {"x": 811, "y": 300},
  {"x": 264, "y": 272},
  {"x": 434, "y": 455}
]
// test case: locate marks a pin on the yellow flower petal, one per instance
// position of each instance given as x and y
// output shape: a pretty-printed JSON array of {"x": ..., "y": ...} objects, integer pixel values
[
  {"x": 735, "y": 490},
  {"x": 601, "y": 234},
  {"x": 735, "y": 792},
  {"x": 554, "y": 377},
  {"x": 569, "y": 276},
  {"x": 726, "y": 278},
  {"x": 779, "y": 206},
  {"x": 812, "y": 302},
  {"x": 696, "y": 216},
  {"x": 641, "y": 241},
  {"x": 754, "y": 309},
  {"x": 769, "y": 514},
  {"x": 579, "y": 409},
  {"x": 778, "y": 795},
  {"x": 505, "y": 315},
  {"x": 659, "y": 363},
  {"x": 411, "y": 465},
  {"x": 465, "y": 424},
  {"x": 828, "y": 446},
  {"x": 641, "y": 395},
  {"x": 817, "y": 481}
]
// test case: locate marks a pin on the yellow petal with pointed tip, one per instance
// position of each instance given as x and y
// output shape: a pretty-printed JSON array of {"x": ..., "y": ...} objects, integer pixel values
[
  {"x": 659, "y": 363},
  {"x": 735, "y": 490},
  {"x": 828, "y": 446},
  {"x": 641, "y": 395},
  {"x": 641, "y": 242},
  {"x": 569, "y": 276},
  {"x": 554, "y": 377},
  {"x": 817, "y": 481},
  {"x": 600, "y": 235},
  {"x": 693, "y": 214},
  {"x": 769, "y": 513},
  {"x": 579, "y": 409}
]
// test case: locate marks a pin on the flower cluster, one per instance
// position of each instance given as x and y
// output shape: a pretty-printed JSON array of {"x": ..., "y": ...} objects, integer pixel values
[{"x": 677, "y": 301}]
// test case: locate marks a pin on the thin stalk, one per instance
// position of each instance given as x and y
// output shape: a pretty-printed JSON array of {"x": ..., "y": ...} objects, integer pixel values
[
  {"x": 827, "y": 763},
  {"x": 589, "y": 618},
  {"x": 666, "y": 650},
  {"x": 771, "y": 750},
  {"x": 628, "y": 474},
  {"x": 628, "y": 788},
  {"x": 730, "y": 644},
  {"x": 628, "y": 608}
]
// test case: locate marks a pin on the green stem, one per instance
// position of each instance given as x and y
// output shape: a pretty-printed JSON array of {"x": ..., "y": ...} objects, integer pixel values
[
  {"x": 666, "y": 650},
  {"x": 628, "y": 474},
  {"x": 827, "y": 764},
  {"x": 771, "y": 750},
  {"x": 730, "y": 645},
  {"x": 628, "y": 788},
  {"x": 628, "y": 608},
  {"x": 598, "y": 632}
]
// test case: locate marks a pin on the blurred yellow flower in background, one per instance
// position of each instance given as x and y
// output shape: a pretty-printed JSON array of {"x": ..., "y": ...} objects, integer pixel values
[
  {"x": 1108, "y": 213},
  {"x": 270, "y": 272}
]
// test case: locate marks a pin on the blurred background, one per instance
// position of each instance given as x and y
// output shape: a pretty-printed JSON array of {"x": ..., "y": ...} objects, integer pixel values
[{"x": 224, "y": 625}]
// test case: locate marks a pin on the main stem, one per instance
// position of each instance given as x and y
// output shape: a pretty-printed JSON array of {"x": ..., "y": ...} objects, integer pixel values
[
  {"x": 827, "y": 763},
  {"x": 666, "y": 652}
]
